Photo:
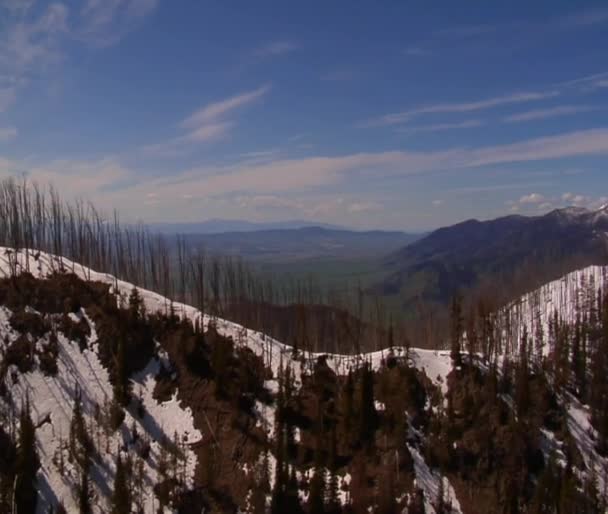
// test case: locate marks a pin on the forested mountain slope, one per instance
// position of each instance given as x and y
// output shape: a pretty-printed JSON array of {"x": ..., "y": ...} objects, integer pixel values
[
  {"x": 509, "y": 255},
  {"x": 117, "y": 398}
]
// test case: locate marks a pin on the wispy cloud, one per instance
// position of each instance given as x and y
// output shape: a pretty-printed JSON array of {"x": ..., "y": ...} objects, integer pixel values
[
  {"x": 553, "y": 112},
  {"x": 35, "y": 39},
  {"x": 461, "y": 107},
  {"x": 216, "y": 110},
  {"x": 209, "y": 123},
  {"x": 443, "y": 126},
  {"x": 601, "y": 83},
  {"x": 275, "y": 48},
  {"x": 105, "y": 22},
  {"x": 572, "y": 144},
  {"x": 283, "y": 175}
]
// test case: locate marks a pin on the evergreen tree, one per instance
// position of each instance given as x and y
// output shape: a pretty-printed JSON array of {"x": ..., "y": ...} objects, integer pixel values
[
  {"x": 522, "y": 382},
  {"x": 347, "y": 410},
  {"x": 27, "y": 464},
  {"x": 599, "y": 384},
  {"x": 539, "y": 343},
  {"x": 316, "y": 499},
  {"x": 136, "y": 305},
  {"x": 81, "y": 446},
  {"x": 472, "y": 336},
  {"x": 121, "y": 380},
  {"x": 416, "y": 502},
  {"x": 546, "y": 494},
  {"x": 84, "y": 492},
  {"x": 578, "y": 364},
  {"x": 367, "y": 408},
  {"x": 440, "y": 505},
  {"x": 121, "y": 495}
]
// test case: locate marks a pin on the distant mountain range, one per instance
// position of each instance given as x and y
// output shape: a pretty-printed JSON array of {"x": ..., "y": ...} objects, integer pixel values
[
  {"x": 217, "y": 226},
  {"x": 513, "y": 253},
  {"x": 289, "y": 244}
]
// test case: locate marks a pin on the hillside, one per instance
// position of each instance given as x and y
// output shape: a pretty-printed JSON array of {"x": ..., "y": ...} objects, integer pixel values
[
  {"x": 204, "y": 413},
  {"x": 519, "y": 253}
]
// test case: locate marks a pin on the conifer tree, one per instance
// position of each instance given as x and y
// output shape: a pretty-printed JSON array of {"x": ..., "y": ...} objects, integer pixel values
[
  {"x": 578, "y": 364},
  {"x": 440, "y": 506},
  {"x": 120, "y": 385},
  {"x": 121, "y": 495},
  {"x": 522, "y": 382},
  {"x": 367, "y": 408},
  {"x": 27, "y": 464},
  {"x": 316, "y": 499},
  {"x": 80, "y": 442},
  {"x": 539, "y": 343},
  {"x": 416, "y": 502},
  {"x": 84, "y": 492},
  {"x": 346, "y": 408},
  {"x": 599, "y": 384},
  {"x": 136, "y": 305}
]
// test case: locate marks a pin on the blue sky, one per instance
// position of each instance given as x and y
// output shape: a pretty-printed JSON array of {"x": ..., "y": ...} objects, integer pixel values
[{"x": 367, "y": 114}]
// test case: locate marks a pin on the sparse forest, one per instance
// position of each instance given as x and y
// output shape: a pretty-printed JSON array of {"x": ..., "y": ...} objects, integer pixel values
[{"x": 511, "y": 416}]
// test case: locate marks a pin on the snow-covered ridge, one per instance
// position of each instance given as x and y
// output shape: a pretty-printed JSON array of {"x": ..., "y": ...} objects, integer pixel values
[
  {"x": 47, "y": 395},
  {"x": 55, "y": 395},
  {"x": 569, "y": 296},
  {"x": 80, "y": 373}
]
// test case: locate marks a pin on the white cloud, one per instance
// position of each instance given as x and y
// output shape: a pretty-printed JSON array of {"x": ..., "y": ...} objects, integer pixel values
[
  {"x": 275, "y": 48},
  {"x": 540, "y": 114},
  {"x": 73, "y": 178},
  {"x": 7, "y": 134},
  {"x": 437, "y": 203},
  {"x": 30, "y": 44},
  {"x": 443, "y": 126},
  {"x": 216, "y": 110},
  {"x": 282, "y": 175},
  {"x": 462, "y": 107},
  {"x": 34, "y": 40},
  {"x": 210, "y": 132},
  {"x": 105, "y": 22},
  {"x": 207, "y": 124},
  {"x": 531, "y": 198},
  {"x": 571, "y": 144}
]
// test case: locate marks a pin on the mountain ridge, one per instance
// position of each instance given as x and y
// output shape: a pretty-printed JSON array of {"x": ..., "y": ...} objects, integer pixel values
[
  {"x": 170, "y": 408},
  {"x": 462, "y": 257}
]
